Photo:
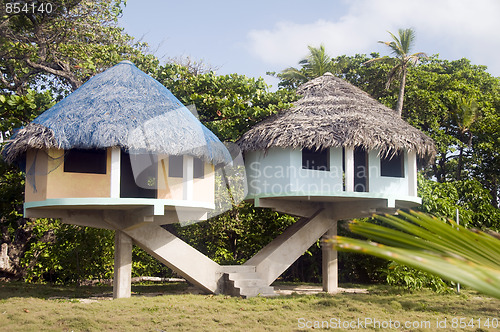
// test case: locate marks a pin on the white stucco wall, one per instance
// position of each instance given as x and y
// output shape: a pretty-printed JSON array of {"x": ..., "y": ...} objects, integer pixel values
[
  {"x": 280, "y": 172},
  {"x": 382, "y": 184},
  {"x": 268, "y": 173},
  {"x": 316, "y": 182}
]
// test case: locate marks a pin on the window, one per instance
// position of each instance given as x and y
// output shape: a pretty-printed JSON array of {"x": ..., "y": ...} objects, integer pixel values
[
  {"x": 198, "y": 168},
  {"x": 392, "y": 166},
  {"x": 85, "y": 161},
  {"x": 317, "y": 160},
  {"x": 360, "y": 170},
  {"x": 175, "y": 166}
]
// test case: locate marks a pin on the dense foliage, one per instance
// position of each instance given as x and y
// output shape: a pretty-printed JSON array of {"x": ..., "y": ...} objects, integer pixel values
[{"x": 44, "y": 57}]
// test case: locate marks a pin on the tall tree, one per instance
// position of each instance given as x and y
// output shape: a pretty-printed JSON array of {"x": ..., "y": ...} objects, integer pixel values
[
  {"x": 466, "y": 113},
  {"x": 52, "y": 49},
  {"x": 401, "y": 47},
  {"x": 61, "y": 45}
]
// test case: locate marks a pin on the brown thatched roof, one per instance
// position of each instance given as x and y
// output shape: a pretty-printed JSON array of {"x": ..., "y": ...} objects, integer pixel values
[{"x": 334, "y": 113}]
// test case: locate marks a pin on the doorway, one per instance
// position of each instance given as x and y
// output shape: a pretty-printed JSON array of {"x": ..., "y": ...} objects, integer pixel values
[
  {"x": 360, "y": 170},
  {"x": 144, "y": 184}
]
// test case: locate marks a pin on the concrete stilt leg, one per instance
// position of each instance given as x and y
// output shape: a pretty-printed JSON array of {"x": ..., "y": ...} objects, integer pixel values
[
  {"x": 123, "y": 265},
  {"x": 330, "y": 264}
]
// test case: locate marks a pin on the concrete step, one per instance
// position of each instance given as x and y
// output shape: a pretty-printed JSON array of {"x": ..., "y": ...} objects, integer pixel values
[
  {"x": 246, "y": 284},
  {"x": 243, "y": 275},
  {"x": 237, "y": 269},
  {"x": 262, "y": 291},
  {"x": 249, "y": 283}
]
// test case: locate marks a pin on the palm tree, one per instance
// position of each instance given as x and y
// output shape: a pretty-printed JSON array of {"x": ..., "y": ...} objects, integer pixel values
[
  {"x": 317, "y": 63},
  {"x": 401, "y": 49},
  {"x": 466, "y": 113},
  {"x": 443, "y": 248}
]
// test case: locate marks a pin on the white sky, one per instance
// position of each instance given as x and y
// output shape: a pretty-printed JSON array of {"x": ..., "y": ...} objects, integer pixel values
[{"x": 252, "y": 37}]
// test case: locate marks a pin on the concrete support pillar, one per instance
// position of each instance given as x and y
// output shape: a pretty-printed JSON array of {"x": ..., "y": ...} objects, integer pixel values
[
  {"x": 123, "y": 265},
  {"x": 330, "y": 264}
]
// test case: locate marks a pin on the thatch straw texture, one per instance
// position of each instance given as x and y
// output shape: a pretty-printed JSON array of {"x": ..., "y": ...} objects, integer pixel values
[
  {"x": 334, "y": 113},
  {"x": 122, "y": 107}
]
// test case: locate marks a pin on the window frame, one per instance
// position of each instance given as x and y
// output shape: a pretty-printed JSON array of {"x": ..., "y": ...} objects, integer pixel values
[
  {"x": 320, "y": 155},
  {"x": 394, "y": 166},
  {"x": 76, "y": 161}
]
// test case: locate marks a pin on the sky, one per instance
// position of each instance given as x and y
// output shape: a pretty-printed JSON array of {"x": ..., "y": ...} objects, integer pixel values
[{"x": 254, "y": 37}]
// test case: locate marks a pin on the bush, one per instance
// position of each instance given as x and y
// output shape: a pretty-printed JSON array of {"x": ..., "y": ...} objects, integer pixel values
[{"x": 412, "y": 279}]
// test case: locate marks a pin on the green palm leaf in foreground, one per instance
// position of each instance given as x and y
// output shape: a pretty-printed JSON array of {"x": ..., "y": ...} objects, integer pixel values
[{"x": 446, "y": 249}]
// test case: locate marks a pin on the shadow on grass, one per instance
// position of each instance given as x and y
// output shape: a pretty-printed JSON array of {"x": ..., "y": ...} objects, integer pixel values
[{"x": 46, "y": 291}]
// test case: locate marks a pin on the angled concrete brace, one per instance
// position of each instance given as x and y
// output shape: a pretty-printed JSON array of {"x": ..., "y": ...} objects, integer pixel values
[
  {"x": 168, "y": 249},
  {"x": 278, "y": 255}
]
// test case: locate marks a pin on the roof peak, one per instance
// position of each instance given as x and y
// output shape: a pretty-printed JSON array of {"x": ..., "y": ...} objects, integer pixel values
[{"x": 126, "y": 62}]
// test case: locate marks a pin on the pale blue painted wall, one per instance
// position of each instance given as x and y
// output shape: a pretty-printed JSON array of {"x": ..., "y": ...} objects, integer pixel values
[
  {"x": 318, "y": 182},
  {"x": 269, "y": 173},
  {"x": 280, "y": 173},
  {"x": 383, "y": 184}
]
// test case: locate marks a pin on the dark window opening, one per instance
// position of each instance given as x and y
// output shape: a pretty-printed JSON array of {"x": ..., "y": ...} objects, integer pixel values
[
  {"x": 343, "y": 169},
  {"x": 85, "y": 161},
  {"x": 392, "y": 166},
  {"x": 142, "y": 185},
  {"x": 317, "y": 160},
  {"x": 198, "y": 168},
  {"x": 360, "y": 170},
  {"x": 175, "y": 166}
]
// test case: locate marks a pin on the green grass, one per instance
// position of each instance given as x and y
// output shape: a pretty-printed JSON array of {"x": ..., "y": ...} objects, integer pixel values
[{"x": 27, "y": 307}]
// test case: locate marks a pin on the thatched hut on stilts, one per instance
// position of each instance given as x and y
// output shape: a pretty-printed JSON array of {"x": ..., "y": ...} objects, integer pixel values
[
  {"x": 337, "y": 154},
  {"x": 123, "y": 153}
]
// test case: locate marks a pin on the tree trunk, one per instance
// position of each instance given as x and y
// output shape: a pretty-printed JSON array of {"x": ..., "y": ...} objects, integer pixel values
[
  {"x": 459, "y": 164},
  {"x": 401, "y": 96}
]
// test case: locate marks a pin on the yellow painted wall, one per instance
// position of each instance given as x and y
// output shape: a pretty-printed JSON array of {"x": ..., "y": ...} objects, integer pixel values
[
  {"x": 40, "y": 176},
  {"x": 204, "y": 189},
  {"x": 173, "y": 188},
  {"x": 168, "y": 187},
  {"x": 62, "y": 184},
  {"x": 52, "y": 182}
]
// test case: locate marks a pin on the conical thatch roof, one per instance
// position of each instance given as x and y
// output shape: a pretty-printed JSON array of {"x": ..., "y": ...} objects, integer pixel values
[
  {"x": 122, "y": 107},
  {"x": 334, "y": 113}
]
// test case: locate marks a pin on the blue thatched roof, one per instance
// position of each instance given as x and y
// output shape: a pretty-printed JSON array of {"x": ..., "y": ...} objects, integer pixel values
[{"x": 124, "y": 107}]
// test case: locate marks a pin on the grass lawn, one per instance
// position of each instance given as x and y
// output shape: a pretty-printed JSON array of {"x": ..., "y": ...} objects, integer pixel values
[{"x": 170, "y": 307}]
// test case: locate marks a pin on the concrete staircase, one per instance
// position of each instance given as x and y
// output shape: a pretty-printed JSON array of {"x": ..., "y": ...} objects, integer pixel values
[{"x": 242, "y": 280}]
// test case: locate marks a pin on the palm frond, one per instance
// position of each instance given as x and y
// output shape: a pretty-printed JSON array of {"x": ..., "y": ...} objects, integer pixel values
[
  {"x": 292, "y": 73},
  {"x": 380, "y": 59},
  {"x": 439, "y": 247},
  {"x": 394, "y": 74},
  {"x": 406, "y": 39}
]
